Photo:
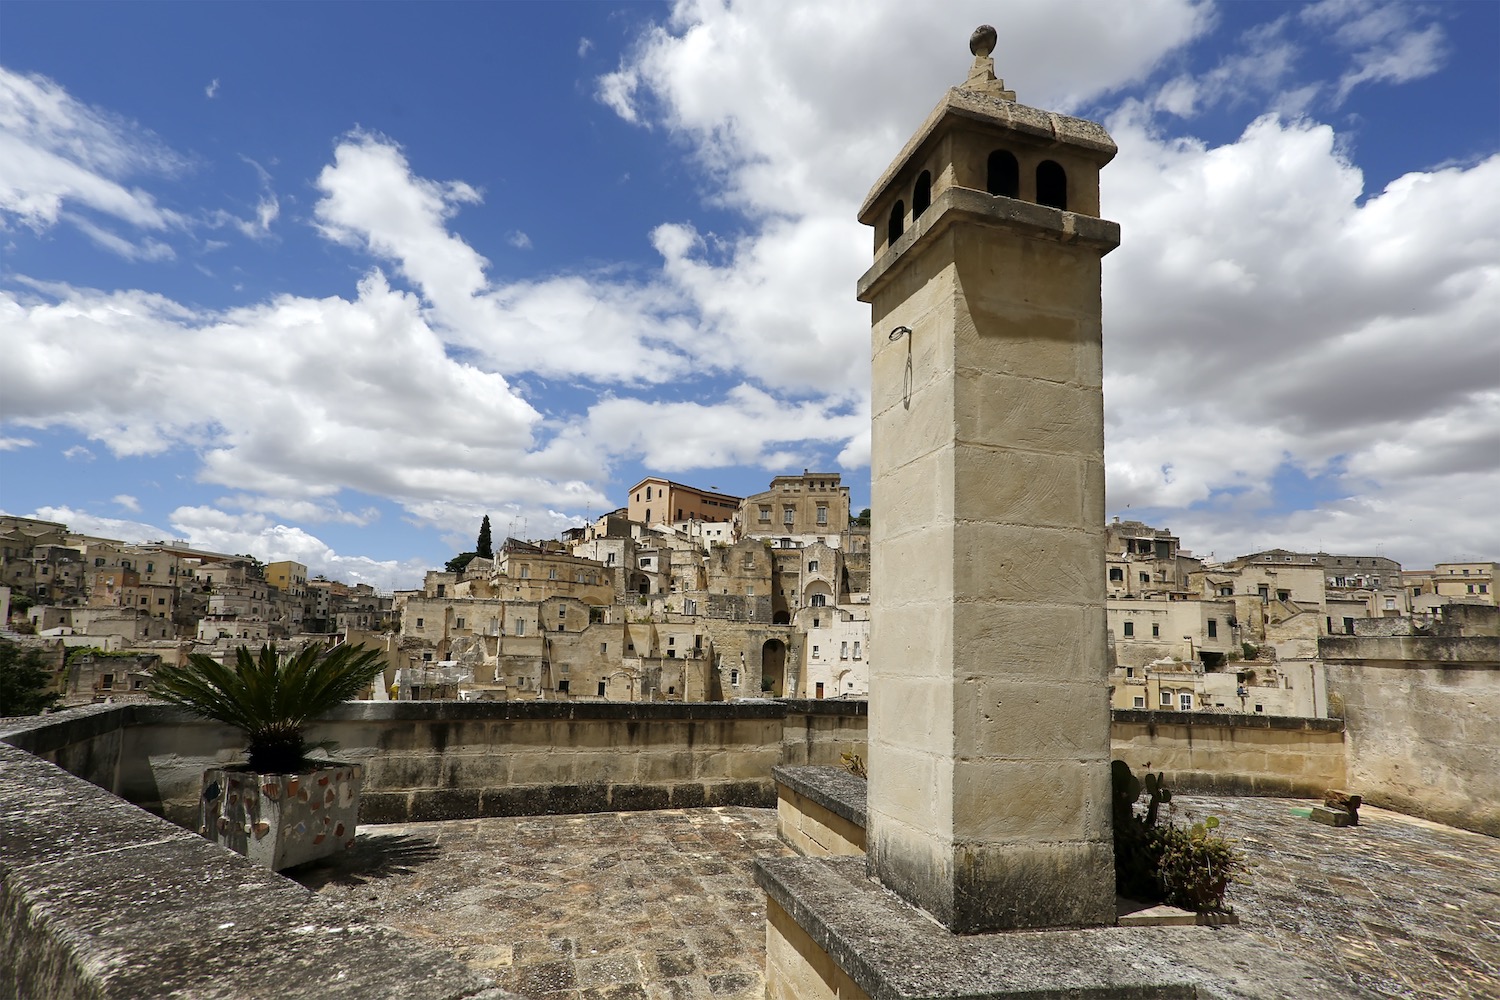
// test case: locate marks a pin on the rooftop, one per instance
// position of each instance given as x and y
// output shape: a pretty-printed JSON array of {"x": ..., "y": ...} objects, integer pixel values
[{"x": 663, "y": 904}]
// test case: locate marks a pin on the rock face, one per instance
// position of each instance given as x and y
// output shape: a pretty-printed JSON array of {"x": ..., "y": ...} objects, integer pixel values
[{"x": 281, "y": 820}]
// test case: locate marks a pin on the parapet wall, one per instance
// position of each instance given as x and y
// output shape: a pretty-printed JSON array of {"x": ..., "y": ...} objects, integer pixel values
[
  {"x": 1236, "y": 754},
  {"x": 457, "y": 760},
  {"x": 1424, "y": 734}
]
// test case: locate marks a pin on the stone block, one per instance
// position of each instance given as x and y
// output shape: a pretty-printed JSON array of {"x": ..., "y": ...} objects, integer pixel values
[
  {"x": 1330, "y": 817},
  {"x": 918, "y": 492},
  {"x": 1028, "y": 414},
  {"x": 1042, "y": 803},
  {"x": 1031, "y": 719},
  {"x": 904, "y": 788},
  {"x": 917, "y": 637},
  {"x": 1033, "y": 565},
  {"x": 1013, "y": 486},
  {"x": 1015, "y": 639}
]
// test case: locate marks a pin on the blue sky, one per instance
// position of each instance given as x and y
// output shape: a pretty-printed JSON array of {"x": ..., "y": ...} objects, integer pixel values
[{"x": 331, "y": 281}]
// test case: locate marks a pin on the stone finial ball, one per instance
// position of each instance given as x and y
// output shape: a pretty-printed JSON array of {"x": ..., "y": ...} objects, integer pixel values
[{"x": 982, "y": 42}]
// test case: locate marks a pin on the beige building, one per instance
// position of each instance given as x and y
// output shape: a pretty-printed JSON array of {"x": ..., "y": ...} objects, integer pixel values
[
  {"x": 1144, "y": 631},
  {"x": 660, "y": 501},
  {"x": 797, "y": 510},
  {"x": 1142, "y": 561},
  {"x": 1465, "y": 582}
]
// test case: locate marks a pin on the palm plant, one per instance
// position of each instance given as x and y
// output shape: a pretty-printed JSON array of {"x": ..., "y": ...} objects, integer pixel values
[{"x": 269, "y": 697}]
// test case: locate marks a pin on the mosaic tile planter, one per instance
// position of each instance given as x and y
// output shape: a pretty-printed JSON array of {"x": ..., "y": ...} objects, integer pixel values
[{"x": 281, "y": 820}]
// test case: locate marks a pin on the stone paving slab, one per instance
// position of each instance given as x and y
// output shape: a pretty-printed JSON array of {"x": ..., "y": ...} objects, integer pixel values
[
  {"x": 606, "y": 905},
  {"x": 664, "y": 904},
  {"x": 1401, "y": 907}
]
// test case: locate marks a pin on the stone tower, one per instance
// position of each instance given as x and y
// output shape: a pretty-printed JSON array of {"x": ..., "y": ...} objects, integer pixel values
[{"x": 989, "y": 791}]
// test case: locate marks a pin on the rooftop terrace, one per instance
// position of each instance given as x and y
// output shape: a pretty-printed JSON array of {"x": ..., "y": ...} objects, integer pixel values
[{"x": 663, "y": 904}]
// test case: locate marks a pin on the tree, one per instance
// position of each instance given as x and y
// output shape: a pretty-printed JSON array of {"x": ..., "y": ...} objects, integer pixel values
[
  {"x": 27, "y": 687},
  {"x": 458, "y": 562},
  {"x": 272, "y": 697},
  {"x": 482, "y": 547},
  {"x": 863, "y": 520}
]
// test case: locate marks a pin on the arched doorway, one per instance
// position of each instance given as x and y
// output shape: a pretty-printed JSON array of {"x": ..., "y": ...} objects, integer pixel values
[{"x": 773, "y": 668}]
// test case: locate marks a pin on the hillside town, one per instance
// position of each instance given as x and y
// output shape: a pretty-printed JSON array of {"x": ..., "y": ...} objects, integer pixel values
[{"x": 687, "y": 594}]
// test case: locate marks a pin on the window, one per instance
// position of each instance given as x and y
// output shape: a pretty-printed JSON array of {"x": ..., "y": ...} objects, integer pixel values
[
  {"x": 896, "y": 222},
  {"x": 1283, "y": 595},
  {"x": 818, "y": 689},
  {"x": 817, "y": 622},
  {"x": 921, "y": 197},
  {"x": 521, "y": 627},
  {"x": 815, "y": 652},
  {"x": 1348, "y": 626},
  {"x": 1156, "y": 630},
  {"x": 765, "y": 514},
  {"x": 1139, "y": 701},
  {"x": 426, "y": 657},
  {"x": 1145, "y": 577},
  {"x": 458, "y": 623},
  {"x": 819, "y": 600},
  {"x": 1051, "y": 185},
  {"x": 419, "y": 623},
  {"x": 1003, "y": 175},
  {"x": 788, "y": 515},
  {"x": 1213, "y": 628},
  {"x": 161, "y": 601},
  {"x": 1484, "y": 588},
  {"x": 812, "y": 565},
  {"x": 843, "y": 651},
  {"x": 562, "y": 687},
  {"x": 525, "y": 572},
  {"x": 856, "y": 650},
  {"x": 1129, "y": 629},
  {"x": 106, "y": 681},
  {"x": 603, "y": 647},
  {"x": 562, "y": 614},
  {"x": 648, "y": 493},
  {"x": 822, "y": 514},
  {"x": 601, "y": 688},
  {"x": 552, "y": 572},
  {"x": 1130, "y": 671},
  {"x": 648, "y": 515},
  {"x": 1166, "y": 698},
  {"x": 734, "y": 678},
  {"x": 1471, "y": 588},
  {"x": 609, "y": 559},
  {"x": 1116, "y": 575},
  {"x": 1185, "y": 701}
]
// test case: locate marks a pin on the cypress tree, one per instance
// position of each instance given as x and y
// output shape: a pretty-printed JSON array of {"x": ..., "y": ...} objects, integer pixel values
[{"x": 482, "y": 548}]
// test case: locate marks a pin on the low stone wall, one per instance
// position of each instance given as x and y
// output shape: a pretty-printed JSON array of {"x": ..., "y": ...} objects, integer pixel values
[
  {"x": 820, "y": 811},
  {"x": 458, "y": 760},
  {"x": 1233, "y": 754},
  {"x": 1424, "y": 732},
  {"x": 99, "y": 899}
]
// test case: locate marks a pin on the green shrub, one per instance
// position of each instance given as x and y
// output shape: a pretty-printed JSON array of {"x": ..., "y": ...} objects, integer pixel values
[
  {"x": 1164, "y": 863},
  {"x": 1197, "y": 866}
]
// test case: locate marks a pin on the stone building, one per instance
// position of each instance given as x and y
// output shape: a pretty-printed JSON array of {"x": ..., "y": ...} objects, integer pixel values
[
  {"x": 660, "y": 501},
  {"x": 1143, "y": 561},
  {"x": 797, "y": 510}
]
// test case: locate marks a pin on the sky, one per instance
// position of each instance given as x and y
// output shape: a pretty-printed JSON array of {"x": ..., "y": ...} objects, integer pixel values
[{"x": 331, "y": 281}]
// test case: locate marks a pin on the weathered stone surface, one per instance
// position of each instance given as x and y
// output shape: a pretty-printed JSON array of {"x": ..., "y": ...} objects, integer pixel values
[{"x": 99, "y": 899}]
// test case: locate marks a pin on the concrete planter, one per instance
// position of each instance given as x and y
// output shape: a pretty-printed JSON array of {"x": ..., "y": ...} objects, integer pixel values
[{"x": 281, "y": 820}]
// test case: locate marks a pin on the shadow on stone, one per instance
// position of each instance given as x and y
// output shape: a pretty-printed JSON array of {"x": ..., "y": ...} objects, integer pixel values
[{"x": 377, "y": 857}]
